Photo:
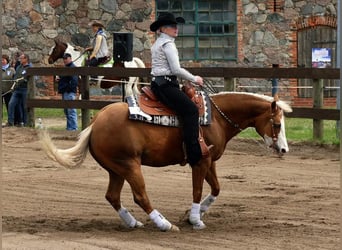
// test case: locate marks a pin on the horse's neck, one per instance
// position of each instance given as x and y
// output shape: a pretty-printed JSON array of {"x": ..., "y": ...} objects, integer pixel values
[
  {"x": 241, "y": 109},
  {"x": 76, "y": 55}
]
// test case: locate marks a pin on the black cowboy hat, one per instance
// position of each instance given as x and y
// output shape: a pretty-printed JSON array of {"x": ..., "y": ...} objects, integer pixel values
[{"x": 165, "y": 18}]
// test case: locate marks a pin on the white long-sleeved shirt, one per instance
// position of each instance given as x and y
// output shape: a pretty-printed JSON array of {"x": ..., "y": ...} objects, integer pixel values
[
  {"x": 165, "y": 59},
  {"x": 100, "y": 48}
]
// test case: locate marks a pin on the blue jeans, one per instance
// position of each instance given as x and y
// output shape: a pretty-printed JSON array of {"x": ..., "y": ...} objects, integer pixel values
[
  {"x": 70, "y": 114},
  {"x": 18, "y": 102}
]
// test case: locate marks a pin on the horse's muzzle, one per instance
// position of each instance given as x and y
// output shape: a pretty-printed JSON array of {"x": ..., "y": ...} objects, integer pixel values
[{"x": 279, "y": 150}]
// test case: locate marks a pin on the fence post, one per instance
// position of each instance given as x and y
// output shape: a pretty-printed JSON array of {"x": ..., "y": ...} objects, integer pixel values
[
  {"x": 229, "y": 84},
  {"x": 31, "y": 93},
  {"x": 85, "y": 96},
  {"x": 317, "y": 103}
]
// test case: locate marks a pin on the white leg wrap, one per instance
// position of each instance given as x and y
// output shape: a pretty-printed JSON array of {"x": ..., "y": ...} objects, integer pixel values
[
  {"x": 206, "y": 202},
  {"x": 162, "y": 223},
  {"x": 195, "y": 218},
  {"x": 128, "y": 218}
]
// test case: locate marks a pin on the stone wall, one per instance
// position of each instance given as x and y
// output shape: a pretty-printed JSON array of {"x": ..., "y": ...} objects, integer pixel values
[
  {"x": 267, "y": 32},
  {"x": 32, "y": 26}
]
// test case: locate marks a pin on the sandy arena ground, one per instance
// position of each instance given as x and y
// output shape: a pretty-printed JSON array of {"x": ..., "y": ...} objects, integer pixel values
[{"x": 266, "y": 202}]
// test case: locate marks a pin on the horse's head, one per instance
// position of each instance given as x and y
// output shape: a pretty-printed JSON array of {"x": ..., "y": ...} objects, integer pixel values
[
  {"x": 271, "y": 126},
  {"x": 57, "y": 51}
]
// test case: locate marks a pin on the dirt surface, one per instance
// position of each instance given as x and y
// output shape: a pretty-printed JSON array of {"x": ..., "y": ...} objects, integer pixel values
[{"x": 266, "y": 202}]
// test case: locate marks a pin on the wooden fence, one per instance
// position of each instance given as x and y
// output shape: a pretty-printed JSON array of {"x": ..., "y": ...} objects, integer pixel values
[{"x": 317, "y": 113}]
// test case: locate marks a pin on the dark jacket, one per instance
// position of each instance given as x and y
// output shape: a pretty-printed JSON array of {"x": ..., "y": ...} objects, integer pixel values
[
  {"x": 21, "y": 74},
  {"x": 68, "y": 84}
]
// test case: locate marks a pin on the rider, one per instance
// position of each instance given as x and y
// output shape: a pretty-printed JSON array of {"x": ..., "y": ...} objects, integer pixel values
[
  {"x": 99, "y": 49},
  {"x": 165, "y": 70}
]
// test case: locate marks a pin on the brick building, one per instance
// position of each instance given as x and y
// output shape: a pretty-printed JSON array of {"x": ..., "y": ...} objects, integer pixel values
[{"x": 230, "y": 33}]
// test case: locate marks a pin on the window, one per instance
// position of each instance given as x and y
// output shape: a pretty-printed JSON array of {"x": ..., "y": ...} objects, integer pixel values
[{"x": 209, "y": 32}]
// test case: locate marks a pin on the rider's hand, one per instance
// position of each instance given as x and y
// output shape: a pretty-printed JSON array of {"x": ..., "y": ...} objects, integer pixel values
[{"x": 199, "y": 80}]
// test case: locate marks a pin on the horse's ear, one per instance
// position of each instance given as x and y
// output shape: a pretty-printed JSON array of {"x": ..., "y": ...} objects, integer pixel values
[
  {"x": 276, "y": 97},
  {"x": 274, "y": 106}
]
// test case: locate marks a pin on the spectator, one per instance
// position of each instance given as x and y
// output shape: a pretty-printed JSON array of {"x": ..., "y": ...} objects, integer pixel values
[
  {"x": 67, "y": 86},
  {"x": 19, "y": 96},
  {"x": 7, "y": 80},
  {"x": 16, "y": 62},
  {"x": 274, "y": 82}
]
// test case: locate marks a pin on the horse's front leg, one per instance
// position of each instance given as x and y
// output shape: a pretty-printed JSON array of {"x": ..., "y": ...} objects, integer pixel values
[
  {"x": 199, "y": 172},
  {"x": 212, "y": 180}
]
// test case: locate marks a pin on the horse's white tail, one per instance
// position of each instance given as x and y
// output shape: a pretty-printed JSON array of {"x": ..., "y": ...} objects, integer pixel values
[
  {"x": 132, "y": 85},
  {"x": 71, "y": 157}
]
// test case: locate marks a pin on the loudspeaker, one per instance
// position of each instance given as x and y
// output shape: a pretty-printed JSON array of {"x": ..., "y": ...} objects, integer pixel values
[{"x": 123, "y": 46}]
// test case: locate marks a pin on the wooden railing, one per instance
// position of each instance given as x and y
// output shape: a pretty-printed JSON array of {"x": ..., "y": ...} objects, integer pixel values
[{"x": 317, "y": 113}]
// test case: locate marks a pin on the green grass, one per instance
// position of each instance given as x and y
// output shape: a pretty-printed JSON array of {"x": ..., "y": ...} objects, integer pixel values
[
  {"x": 41, "y": 112},
  {"x": 297, "y": 129}
]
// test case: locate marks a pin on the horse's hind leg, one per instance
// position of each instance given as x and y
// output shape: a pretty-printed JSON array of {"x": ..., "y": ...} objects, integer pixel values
[
  {"x": 212, "y": 180},
  {"x": 113, "y": 197}
]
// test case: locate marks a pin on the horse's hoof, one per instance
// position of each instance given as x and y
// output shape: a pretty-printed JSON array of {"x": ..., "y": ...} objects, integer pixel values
[
  {"x": 199, "y": 226},
  {"x": 139, "y": 224},
  {"x": 174, "y": 228}
]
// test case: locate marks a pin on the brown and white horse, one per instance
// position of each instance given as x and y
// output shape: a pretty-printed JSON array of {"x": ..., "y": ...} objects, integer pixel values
[
  {"x": 79, "y": 59},
  {"x": 122, "y": 146}
]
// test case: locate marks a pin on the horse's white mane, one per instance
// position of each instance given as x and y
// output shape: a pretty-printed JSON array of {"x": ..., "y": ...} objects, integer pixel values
[
  {"x": 72, "y": 50},
  {"x": 76, "y": 55},
  {"x": 282, "y": 104}
]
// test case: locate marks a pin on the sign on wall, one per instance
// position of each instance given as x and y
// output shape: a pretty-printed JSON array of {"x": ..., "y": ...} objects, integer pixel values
[{"x": 321, "y": 57}]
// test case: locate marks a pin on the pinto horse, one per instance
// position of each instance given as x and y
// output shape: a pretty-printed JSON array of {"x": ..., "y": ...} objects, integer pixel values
[
  {"x": 79, "y": 58},
  {"x": 121, "y": 146}
]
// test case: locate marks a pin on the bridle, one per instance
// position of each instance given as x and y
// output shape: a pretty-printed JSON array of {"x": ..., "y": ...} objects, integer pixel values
[
  {"x": 274, "y": 126},
  {"x": 230, "y": 121},
  {"x": 235, "y": 125}
]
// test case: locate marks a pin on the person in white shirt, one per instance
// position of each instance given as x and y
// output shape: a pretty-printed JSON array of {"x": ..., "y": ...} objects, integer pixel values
[{"x": 99, "y": 49}]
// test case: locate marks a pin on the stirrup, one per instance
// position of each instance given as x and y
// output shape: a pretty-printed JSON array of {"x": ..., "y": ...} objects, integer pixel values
[{"x": 204, "y": 148}]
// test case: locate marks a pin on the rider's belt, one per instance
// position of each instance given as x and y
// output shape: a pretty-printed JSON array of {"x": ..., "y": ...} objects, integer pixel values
[
  {"x": 163, "y": 80},
  {"x": 167, "y": 78}
]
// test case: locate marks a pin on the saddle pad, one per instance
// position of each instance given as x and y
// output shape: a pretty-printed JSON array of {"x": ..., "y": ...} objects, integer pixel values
[{"x": 166, "y": 117}]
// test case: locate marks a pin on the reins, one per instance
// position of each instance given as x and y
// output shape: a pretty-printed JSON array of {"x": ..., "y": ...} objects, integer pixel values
[{"x": 230, "y": 121}]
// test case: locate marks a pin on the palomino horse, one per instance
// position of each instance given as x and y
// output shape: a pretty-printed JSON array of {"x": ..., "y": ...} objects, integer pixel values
[
  {"x": 122, "y": 146},
  {"x": 79, "y": 59}
]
